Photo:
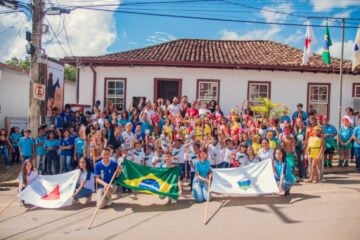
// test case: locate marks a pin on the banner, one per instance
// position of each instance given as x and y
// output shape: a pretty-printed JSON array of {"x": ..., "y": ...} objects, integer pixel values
[
  {"x": 54, "y": 87},
  {"x": 162, "y": 181},
  {"x": 51, "y": 191},
  {"x": 255, "y": 179}
]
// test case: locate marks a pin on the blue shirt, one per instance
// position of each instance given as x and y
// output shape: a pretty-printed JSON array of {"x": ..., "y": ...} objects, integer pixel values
[
  {"x": 26, "y": 145},
  {"x": 79, "y": 143},
  {"x": 281, "y": 168},
  {"x": 40, "y": 149},
  {"x": 285, "y": 118},
  {"x": 295, "y": 115},
  {"x": 67, "y": 142},
  {"x": 51, "y": 143},
  {"x": 105, "y": 172},
  {"x": 203, "y": 168},
  {"x": 357, "y": 135},
  {"x": 345, "y": 133},
  {"x": 329, "y": 129},
  {"x": 15, "y": 138}
]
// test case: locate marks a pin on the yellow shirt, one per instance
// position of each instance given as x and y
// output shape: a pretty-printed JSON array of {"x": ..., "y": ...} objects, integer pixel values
[
  {"x": 198, "y": 134},
  {"x": 168, "y": 131},
  {"x": 256, "y": 147},
  {"x": 314, "y": 145},
  {"x": 207, "y": 130}
]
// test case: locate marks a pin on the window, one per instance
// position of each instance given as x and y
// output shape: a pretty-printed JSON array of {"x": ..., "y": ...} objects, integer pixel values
[
  {"x": 258, "y": 90},
  {"x": 319, "y": 98},
  {"x": 208, "y": 90},
  {"x": 115, "y": 90},
  {"x": 356, "y": 90}
]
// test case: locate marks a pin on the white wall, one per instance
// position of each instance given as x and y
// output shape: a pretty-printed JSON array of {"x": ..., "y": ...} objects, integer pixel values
[
  {"x": 69, "y": 92},
  {"x": 289, "y": 88},
  {"x": 14, "y": 95}
]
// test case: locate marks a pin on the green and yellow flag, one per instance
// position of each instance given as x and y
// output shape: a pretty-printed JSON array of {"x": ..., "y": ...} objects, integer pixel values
[
  {"x": 327, "y": 43},
  {"x": 162, "y": 181}
]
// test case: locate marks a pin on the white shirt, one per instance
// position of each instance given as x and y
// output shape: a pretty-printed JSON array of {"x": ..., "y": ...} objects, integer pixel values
[
  {"x": 148, "y": 159},
  {"x": 263, "y": 155},
  {"x": 178, "y": 155},
  {"x": 155, "y": 158},
  {"x": 227, "y": 157},
  {"x": 242, "y": 158},
  {"x": 214, "y": 154},
  {"x": 137, "y": 156},
  {"x": 90, "y": 184},
  {"x": 128, "y": 138},
  {"x": 29, "y": 178},
  {"x": 174, "y": 109}
]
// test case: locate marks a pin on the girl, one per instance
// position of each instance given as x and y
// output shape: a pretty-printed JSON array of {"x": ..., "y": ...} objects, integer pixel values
[
  {"x": 344, "y": 138},
  {"x": 97, "y": 145},
  {"x": 51, "y": 146},
  {"x": 27, "y": 176},
  {"x": 202, "y": 177},
  {"x": 85, "y": 184},
  {"x": 283, "y": 174},
  {"x": 315, "y": 150},
  {"x": 300, "y": 132},
  {"x": 66, "y": 152},
  {"x": 15, "y": 139},
  {"x": 251, "y": 155},
  {"x": 265, "y": 151},
  {"x": 4, "y": 147},
  {"x": 79, "y": 145}
]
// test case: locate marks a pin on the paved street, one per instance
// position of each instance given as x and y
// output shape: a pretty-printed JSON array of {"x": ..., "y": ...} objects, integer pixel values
[{"x": 328, "y": 210}]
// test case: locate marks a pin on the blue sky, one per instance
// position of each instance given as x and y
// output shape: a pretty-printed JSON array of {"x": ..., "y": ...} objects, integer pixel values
[
  {"x": 86, "y": 32},
  {"x": 135, "y": 31}
]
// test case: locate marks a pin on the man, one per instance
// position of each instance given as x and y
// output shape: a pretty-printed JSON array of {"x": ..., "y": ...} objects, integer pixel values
[
  {"x": 330, "y": 133},
  {"x": 104, "y": 171},
  {"x": 299, "y": 107},
  {"x": 175, "y": 107}
]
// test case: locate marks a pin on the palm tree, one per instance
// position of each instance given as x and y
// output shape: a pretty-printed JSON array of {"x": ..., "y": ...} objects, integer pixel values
[{"x": 268, "y": 109}]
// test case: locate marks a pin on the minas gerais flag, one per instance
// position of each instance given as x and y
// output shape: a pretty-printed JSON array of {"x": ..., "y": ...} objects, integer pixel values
[{"x": 162, "y": 181}]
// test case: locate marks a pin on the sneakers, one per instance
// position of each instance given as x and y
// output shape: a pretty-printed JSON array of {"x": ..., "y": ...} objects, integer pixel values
[
  {"x": 340, "y": 163},
  {"x": 88, "y": 199},
  {"x": 287, "y": 192},
  {"x": 346, "y": 164},
  {"x": 108, "y": 203}
]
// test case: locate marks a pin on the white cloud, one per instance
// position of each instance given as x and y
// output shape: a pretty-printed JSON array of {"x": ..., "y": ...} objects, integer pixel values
[
  {"x": 89, "y": 32},
  {"x": 295, "y": 38},
  {"x": 160, "y": 37},
  {"x": 335, "y": 49},
  {"x": 271, "y": 13},
  {"x": 327, "y": 5},
  {"x": 262, "y": 34},
  {"x": 345, "y": 14}
]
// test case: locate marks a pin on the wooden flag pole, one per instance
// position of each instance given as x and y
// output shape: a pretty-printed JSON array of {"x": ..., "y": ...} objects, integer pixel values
[
  {"x": 8, "y": 205},
  {"x": 207, "y": 203},
  {"x": 102, "y": 199}
]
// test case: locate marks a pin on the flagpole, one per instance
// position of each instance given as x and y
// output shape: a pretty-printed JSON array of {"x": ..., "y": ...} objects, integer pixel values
[
  {"x": 207, "y": 202},
  {"x": 8, "y": 205},
  {"x": 341, "y": 68}
]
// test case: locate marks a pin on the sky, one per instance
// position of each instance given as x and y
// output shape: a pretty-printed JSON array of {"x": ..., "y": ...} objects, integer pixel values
[{"x": 87, "y": 31}]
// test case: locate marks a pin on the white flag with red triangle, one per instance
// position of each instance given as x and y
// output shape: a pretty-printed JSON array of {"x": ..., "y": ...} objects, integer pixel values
[
  {"x": 309, "y": 43},
  {"x": 51, "y": 191}
]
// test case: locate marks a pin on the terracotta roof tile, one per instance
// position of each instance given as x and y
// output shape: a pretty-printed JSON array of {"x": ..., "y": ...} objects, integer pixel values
[
  {"x": 13, "y": 68},
  {"x": 250, "y": 54}
]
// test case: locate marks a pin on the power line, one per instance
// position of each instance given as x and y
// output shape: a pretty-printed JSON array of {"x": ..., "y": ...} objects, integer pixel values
[
  {"x": 66, "y": 35},
  {"x": 56, "y": 36}
]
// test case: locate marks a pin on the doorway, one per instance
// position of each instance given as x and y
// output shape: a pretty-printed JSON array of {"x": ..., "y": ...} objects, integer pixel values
[{"x": 167, "y": 88}]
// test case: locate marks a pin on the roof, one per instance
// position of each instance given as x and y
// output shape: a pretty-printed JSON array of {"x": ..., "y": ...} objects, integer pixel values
[
  {"x": 13, "y": 68},
  {"x": 249, "y": 54}
]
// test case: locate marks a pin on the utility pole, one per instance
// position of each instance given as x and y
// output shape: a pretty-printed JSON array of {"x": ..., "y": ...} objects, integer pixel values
[
  {"x": 341, "y": 68},
  {"x": 35, "y": 105}
]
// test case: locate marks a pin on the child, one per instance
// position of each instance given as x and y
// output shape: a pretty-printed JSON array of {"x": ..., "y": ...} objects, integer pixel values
[
  {"x": 149, "y": 154},
  {"x": 241, "y": 157},
  {"x": 194, "y": 152},
  {"x": 178, "y": 157},
  {"x": 79, "y": 144},
  {"x": 229, "y": 154},
  {"x": 137, "y": 154},
  {"x": 168, "y": 163},
  {"x": 157, "y": 159},
  {"x": 27, "y": 176},
  {"x": 51, "y": 146},
  {"x": 214, "y": 151},
  {"x": 252, "y": 158},
  {"x": 127, "y": 136},
  {"x": 66, "y": 152},
  {"x": 85, "y": 184},
  {"x": 283, "y": 175},
  {"x": 256, "y": 143},
  {"x": 345, "y": 137},
  {"x": 315, "y": 150},
  {"x": 202, "y": 177},
  {"x": 26, "y": 146},
  {"x": 40, "y": 151},
  {"x": 15, "y": 139}
]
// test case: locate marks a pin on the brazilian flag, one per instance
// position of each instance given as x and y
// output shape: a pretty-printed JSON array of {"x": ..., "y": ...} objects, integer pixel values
[
  {"x": 327, "y": 43},
  {"x": 162, "y": 181}
]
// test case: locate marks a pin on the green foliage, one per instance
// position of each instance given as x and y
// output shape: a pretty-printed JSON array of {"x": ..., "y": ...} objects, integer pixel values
[
  {"x": 268, "y": 109},
  {"x": 70, "y": 73},
  {"x": 22, "y": 63}
]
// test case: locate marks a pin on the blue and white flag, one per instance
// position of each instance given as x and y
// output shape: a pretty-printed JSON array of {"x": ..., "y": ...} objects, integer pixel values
[{"x": 254, "y": 179}]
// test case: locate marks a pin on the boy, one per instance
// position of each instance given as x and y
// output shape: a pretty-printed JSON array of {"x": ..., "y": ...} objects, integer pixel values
[
  {"x": 149, "y": 154},
  {"x": 137, "y": 155},
  {"x": 168, "y": 163},
  {"x": 178, "y": 157},
  {"x": 15, "y": 139},
  {"x": 26, "y": 146},
  {"x": 40, "y": 151},
  {"x": 229, "y": 154},
  {"x": 104, "y": 171},
  {"x": 158, "y": 159},
  {"x": 51, "y": 146},
  {"x": 241, "y": 156}
]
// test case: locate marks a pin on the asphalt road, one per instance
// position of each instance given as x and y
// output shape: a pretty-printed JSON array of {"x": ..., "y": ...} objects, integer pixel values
[{"x": 329, "y": 210}]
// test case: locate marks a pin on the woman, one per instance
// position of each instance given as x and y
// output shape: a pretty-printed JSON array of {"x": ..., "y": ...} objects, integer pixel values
[
  {"x": 97, "y": 145},
  {"x": 300, "y": 132},
  {"x": 85, "y": 184},
  {"x": 252, "y": 158},
  {"x": 265, "y": 151},
  {"x": 212, "y": 105},
  {"x": 27, "y": 176},
  {"x": 4, "y": 147},
  {"x": 124, "y": 118},
  {"x": 283, "y": 174},
  {"x": 202, "y": 177},
  {"x": 315, "y": 150}
]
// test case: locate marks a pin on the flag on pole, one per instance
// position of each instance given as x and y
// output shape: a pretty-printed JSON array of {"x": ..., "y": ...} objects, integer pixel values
[
  {"x": 310, "y": 41},
  {"x": 162, "y": 181},
  {"x": 51, "y": 191},
  {"x": 255, "y": 179},
  {"x": 356, "y": 55},
  {"x": 327, "y": 43}
]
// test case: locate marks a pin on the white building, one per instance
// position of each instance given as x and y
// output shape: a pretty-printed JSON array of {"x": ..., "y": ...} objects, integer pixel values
[
  {"x": 14, "y": 94},
  {"x": 227, "y": 71}
]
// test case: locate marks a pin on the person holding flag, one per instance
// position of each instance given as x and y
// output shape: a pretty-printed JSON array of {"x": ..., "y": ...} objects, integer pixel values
[
  {"x": 104, "y": 171},
  {"x": 327, "y": 43},
  {"x": 27, "y": 176}
]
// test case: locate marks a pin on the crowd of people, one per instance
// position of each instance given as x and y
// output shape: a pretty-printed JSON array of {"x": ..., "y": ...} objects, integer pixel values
[{"x": 195, "y": 136}]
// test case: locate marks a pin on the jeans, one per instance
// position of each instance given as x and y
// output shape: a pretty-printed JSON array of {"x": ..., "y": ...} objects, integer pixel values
[
  {"x": 223, "y": 165},
  {"x": 15, "y": 154},
  {"x": 286, "y": 185},
  {"x": 84, "y": 193},
  {"x": 40, "y": 163},
  {"x": 192, "y": 176},
  {"x": 25, "y": 158},
  {"x": 300, "y": 163},
  {"x": 65, "y": 163},
  {"x": 4, "y": 152},
  {"x": 182, "y": 170},
  {"x": 52, "y": 162},
  {"x": 200, "y": 190},
  {"x": 357, "y": 155}
]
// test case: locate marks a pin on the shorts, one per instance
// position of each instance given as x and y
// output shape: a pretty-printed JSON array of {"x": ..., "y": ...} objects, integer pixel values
[{"x": 329, "y": 150}]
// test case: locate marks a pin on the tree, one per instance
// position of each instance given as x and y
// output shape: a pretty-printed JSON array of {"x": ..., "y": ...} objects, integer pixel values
[
  {"x": 70, "y": 73},
  {"x": 21, "y": 63},
  {"x": 268, "y": 109}
]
